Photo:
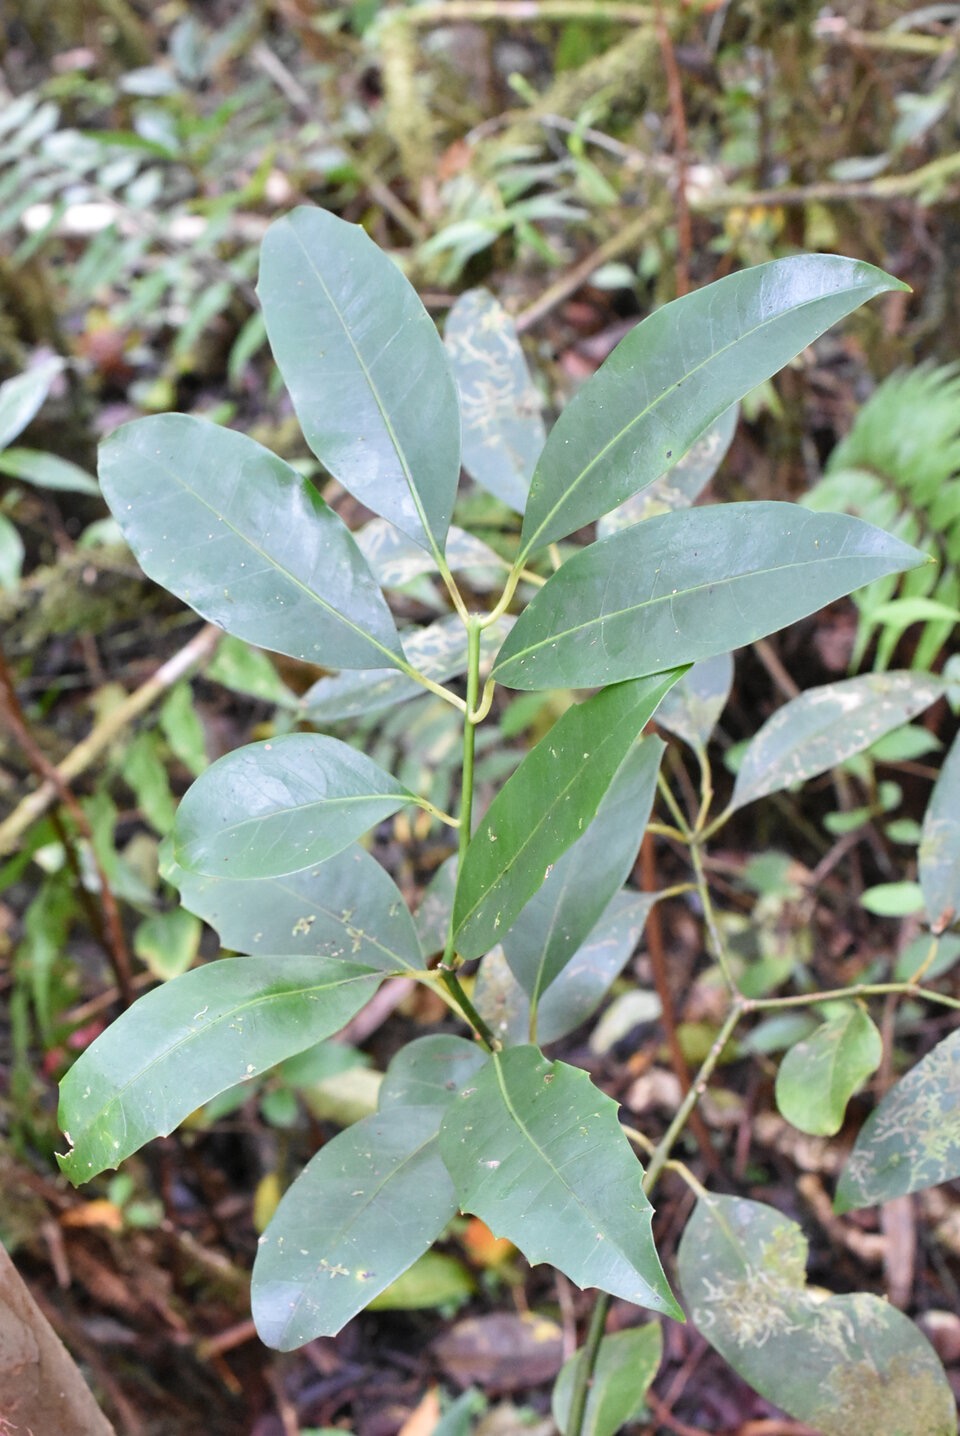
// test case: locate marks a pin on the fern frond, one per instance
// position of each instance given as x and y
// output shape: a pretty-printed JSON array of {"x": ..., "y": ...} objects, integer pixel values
[{"x": 899, "y": 468}]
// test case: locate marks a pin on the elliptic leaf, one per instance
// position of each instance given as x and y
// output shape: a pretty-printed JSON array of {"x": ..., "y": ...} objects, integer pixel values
[
  {"x": 361, "y": 1212},
  {"x": 683, "y": 483},
  {"x": 185, "y": 1042},
  {"x": 555, "y": 922},
  {"x": 675, "y": 374},
  {"x": 827, "y": 725},
  {"x": 245, "y": 540},
  {"x": 939, "y": 865},
  {"x": 581, "y": 987},
  {"x": 625, "y": 1366},
  {"x": 842, "y": 1365},
  {"x": 503, "y": 431},
  {"x": 22, "y": 397},
  {"x": 687, "y": 586},
  {"x": 545, "y": 806},
  {"x": 47, "y": 471},
  {"x": 365, "y": 368},
  {"x": 430, "y": 1071},
  {"x": 912, "y": 1140},
  {"x": 537, "y": 1152},
  {"x": 691, "y": 709},
  {"x": 820, "y": 1073},
  {"x": 278, "y": 807},
  {"x": 348, "y": 907}
]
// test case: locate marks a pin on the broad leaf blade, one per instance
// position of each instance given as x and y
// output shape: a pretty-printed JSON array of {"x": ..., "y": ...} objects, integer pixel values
[
  {"x": 847, "y": 1364},
  {"x": 692, "y": 708},
  {"x": 21, "y": 398},
  {"x": 912, "y": 1140},
  {"x": 278, "y": 807},
  {"x": 185, "y": 1042},
  {"x": 940, "y": 845},
  {"x": 683, "y": 483},
  {"x": 349, "y": 907},
  {"x": 395, "y": 560},
  {"x": 677, "y": 373},
  {"x": 555, "y": 922},
  {"x": 545, "y": 806},
  {"x": 365, "y": 368},
  {"x": 246, "y": 541},
  {"x": 430, "y": 1071},
  {"x": 824, "y": 726},
  {"x": 364, "y": 1209},
  {"x": 503, "y": 432},
  {"x": 527, "y": 1126},
  {"x": 625, "y": 1366},
  {"x": 820, "y": 1073},
  {"x": 687, "y": 586}
]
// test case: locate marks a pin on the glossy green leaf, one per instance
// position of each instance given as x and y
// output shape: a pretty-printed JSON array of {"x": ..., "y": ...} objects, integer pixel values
[
  {"x": 824, "y": 726},
  {"x": 434, "y": 1280},
  {"x": 246, "y": 541},
  {"x": 687, "y": 586},
  {"x": 675, "y": 374},
  {"x": 11, "y": 555},
  {"x": 191, "y": 1039},
  {"x": 361, "y": 1212},
  {"x": 842, "y": 1365},
  {"x": 545, "y": 806},
  {"x": 22, "y": 397},
  {"x": 503, "y": 431},
  {"x": 581, "y": 986},
  {"x": 939, "y": 855},
  {"x": 538, "y": 1153},
  {"x": 47, "y": 471},
  {"x": 555, "y": 922},
  {"x": 683, "y": 483},
  {"x": 348, "y": 907},
  {"x": 277, "y": 807},
  {"x": 692, "y": 708},
  {"x": 912, "y": 1139},
  {"x": 820, "y": 1073},
  {"x": 625, "y": 1366},
  {"x": 365, "y": 368}
]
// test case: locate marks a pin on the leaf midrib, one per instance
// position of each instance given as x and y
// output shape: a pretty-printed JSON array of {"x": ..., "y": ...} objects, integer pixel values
[{"x": 346, "y": 800}]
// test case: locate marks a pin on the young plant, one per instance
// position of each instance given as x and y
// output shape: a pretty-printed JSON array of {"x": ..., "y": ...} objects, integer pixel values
[{"x": 266, "y": 844}]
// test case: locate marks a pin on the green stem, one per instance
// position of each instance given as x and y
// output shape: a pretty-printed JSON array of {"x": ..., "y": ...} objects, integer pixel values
[
  {"x": 437, "y": 688},
  {"x": 710, "y": 917},
  {"x": 583, "y": 1377},
  {"x": 863, "y": 989}
]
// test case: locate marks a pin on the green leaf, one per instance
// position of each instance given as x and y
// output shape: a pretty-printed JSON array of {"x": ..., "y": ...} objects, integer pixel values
[
  {"x": 581, "y": 987},
  {"x": 430, "y": 1071},
  {"x": 182, "y": 728},
  {"x": 246, "y": 541},
  {"x": 683, "y": 483},
  {"x": 11, "y": 555},
  {"x": 47, "y": 471},
  {"x": 248, "y": 670},
  {"x": 365, "y": 368},
  {"x": 626, "y": 1364},
  {"x": 824, "y": 726},
  {"x": 675, "y": 374},
  {"x": 939, "y": 855},
  {"x": 545, "y": 806},
  {"x": 361, "y": 1212},
  {"x": 687, "y": 586},
  {"x": 537, "y": 1152},
  {"x": 820, "y": 1073},
  {"x": 892, "y": 899},
  {"x": 191, "y": 1039},
  {"x": 168, "y": 942},
  {"x": 692, "y": 708},
  {"x": 912, "y": 1140},
  {"x": 21, "y": 398},
  {"x": 503, "y": 431},
  {"x": 434, "y": 1280},
  {"x": 349, "y": 907},
  {"x": 395, "y": 560},
  {"x": 281, "y": 806},
  {"x": 842, "y": 1365},
  {"x": 555, "y": 922}
]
